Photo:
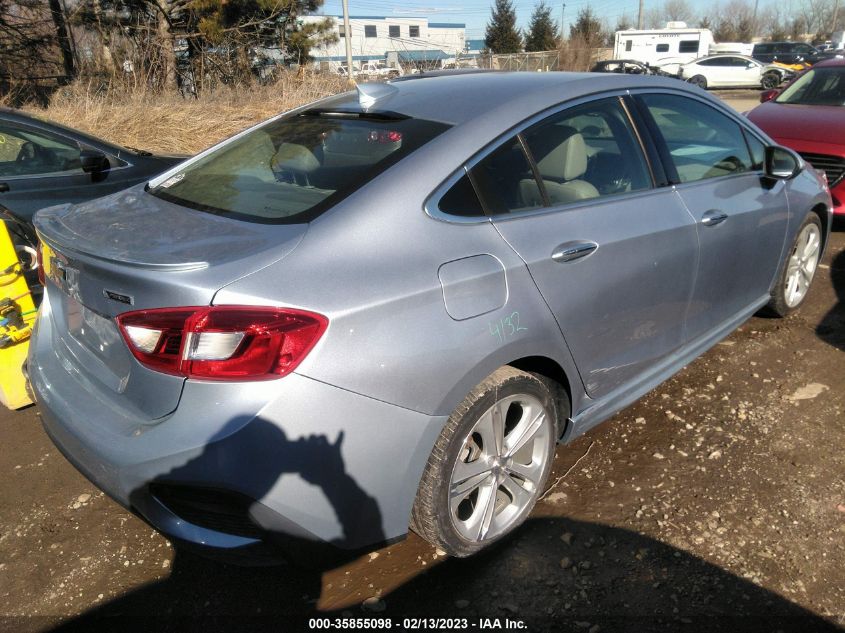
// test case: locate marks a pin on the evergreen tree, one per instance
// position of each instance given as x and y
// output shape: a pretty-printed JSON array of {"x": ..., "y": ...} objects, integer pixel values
[
  {"x": 587, "y": 27},
  {"x": 542, "y": 30},
  {"x": 502, "y": 36}
]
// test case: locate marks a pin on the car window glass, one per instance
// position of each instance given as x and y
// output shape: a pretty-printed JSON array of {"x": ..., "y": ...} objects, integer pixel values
[
  {"x": 27, "y": 152},
  {"x": 662, "y": 48},
  {"x": 688, "y": 46},
  {"x": 819, "y": 86},
  {"x": 292, "y": 169},
  {"x": 586, "y": 152},
  {"x": 703, "y": 142},
  {"x": 461, "y": 200},
  {"x": 506, "y": 181},
  {"x": 758, "y": 150}
]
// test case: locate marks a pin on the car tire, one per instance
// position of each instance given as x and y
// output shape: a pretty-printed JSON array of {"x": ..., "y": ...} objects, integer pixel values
[
  {"x": 698, "y": 80},
  {"x": 478, "y": 486},
  {"x": 797, "y": 269},
  {"x": 770, "y": 80}
]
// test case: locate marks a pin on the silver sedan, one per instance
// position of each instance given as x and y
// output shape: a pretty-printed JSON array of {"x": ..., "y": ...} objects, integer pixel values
[{"x": 387, "y": 307}]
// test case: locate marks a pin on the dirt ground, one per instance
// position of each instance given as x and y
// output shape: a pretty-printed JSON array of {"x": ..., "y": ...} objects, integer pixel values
[{"x": 715, "y": 503}]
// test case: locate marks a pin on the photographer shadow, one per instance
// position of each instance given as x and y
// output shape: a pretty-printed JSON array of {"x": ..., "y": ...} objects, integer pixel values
[
  {"x": 831, "y": 329},
  {"x": 553, "y": 574}
]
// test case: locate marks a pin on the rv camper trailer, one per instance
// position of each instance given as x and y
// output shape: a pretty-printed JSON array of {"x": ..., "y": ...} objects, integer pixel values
[{"x": 674, "y": 44}]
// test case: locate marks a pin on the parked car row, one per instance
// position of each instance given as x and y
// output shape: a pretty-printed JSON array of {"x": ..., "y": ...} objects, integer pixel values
[
  {"x": 769, "y": 65},
  {"x": 808, "y": 115},
  {"x": 385, "y": 309}
]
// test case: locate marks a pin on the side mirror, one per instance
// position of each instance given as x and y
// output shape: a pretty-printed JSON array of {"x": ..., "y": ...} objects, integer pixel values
[
  {"x": 93, "y": 161},
  {"x": 782, "y": 163},
  {"x": 768, "y": 95}
]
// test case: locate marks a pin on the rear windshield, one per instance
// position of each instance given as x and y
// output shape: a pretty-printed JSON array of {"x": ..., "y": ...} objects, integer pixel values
[
  {"x": 818, "y": 86},
  {"x": 293, "y": 169}
]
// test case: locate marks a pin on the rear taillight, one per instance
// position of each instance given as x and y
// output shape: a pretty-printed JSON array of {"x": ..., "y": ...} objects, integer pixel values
[{"x": 222, "y": 342}]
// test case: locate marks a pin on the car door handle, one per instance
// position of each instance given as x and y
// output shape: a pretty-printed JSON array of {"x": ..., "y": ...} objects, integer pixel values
[
  {"x": 713, "y": 217},
  {"x": 570, "y": 251},
  {"x": 4, "y": 187}
]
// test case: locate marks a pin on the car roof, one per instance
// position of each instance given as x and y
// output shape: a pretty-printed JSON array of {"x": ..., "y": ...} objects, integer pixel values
[
  {"x": 740, "y": 55},
  {"x": 834, "y": 61},
  {"x": 505, "y": 96}
]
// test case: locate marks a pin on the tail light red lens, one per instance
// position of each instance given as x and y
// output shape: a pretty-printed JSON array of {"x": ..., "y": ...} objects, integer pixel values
[{"x": 222, "y": 342}]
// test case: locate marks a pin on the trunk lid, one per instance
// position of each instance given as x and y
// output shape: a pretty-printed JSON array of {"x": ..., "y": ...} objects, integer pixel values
[{"x": 132, "y": 251}]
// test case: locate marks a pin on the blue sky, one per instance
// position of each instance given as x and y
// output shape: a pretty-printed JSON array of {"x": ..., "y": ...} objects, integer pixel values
[{"x": 476, "y": 13}]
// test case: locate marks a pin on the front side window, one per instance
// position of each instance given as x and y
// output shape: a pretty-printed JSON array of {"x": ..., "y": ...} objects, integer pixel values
[
  {"x": 703, "y": 142},
  {"x": 294, "y": 168},
  {"x": 662, "y": 48},
  {"x": 586, "y": 152},
  {"x": 758, "y": 150},
  {"x": 370, "y": 30},
  {"x": 28, "y": 152},
  {"x": 688, "y": 46}
]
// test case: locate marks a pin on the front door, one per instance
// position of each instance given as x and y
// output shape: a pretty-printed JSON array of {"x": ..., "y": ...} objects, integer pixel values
[{"x": 741, "y": 215}]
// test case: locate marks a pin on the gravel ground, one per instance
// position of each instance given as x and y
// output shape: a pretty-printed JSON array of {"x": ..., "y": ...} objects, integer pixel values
[{"x": 717, "y": 502}]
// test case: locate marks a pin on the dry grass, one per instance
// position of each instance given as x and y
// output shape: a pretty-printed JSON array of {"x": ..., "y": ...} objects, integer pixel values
[{"x": 170, "y": 123}]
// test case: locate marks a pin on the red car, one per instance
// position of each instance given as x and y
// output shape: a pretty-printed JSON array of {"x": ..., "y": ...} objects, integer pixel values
[{"x": 808, "y": 115}]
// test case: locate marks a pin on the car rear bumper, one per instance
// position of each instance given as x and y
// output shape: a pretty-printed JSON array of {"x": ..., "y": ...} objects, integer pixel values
[{"x": 237, "y": 467}]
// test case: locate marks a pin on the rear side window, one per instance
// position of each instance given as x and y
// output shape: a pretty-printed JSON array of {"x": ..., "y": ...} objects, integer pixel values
[
  {"x": 293, "y": 169},
  {"x": 586, "y": 152},
  {"x": 461, "y": 200},
  {"x": 506, "y": 181},
  {"x": 703, "y": 142}
]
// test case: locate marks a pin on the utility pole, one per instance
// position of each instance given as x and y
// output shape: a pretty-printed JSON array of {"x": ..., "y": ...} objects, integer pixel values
[
  {"x": 754, "y": 19},
  {"x": 347, "y": 32},
  {"x": 640, "y": 17},
  {"x": 562, "y": 11}
]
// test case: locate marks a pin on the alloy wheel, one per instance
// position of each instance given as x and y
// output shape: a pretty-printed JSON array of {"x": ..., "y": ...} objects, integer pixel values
[
  {"x": 802, "y": 265},
  {"x": 496, "y": 477}
]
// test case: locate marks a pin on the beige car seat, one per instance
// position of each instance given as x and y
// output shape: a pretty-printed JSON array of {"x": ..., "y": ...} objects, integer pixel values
[{"x": 561, "y": 155}]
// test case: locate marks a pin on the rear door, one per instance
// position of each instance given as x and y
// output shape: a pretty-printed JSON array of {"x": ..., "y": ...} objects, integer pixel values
[
  {"x": 741, "y": 215},
  {"x": 614, "y": 257}
]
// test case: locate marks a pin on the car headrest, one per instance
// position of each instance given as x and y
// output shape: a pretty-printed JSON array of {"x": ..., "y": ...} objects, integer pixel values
[
  {"x": 561, "y": 153},
  {"x": 294, "y": 157}
]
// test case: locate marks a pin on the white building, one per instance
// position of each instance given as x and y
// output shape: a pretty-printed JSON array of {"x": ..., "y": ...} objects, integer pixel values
[{"x": 409, "y": 41}]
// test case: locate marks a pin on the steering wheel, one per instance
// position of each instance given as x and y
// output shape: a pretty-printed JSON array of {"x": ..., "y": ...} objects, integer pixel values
[{"x": 28, "y": 152}]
